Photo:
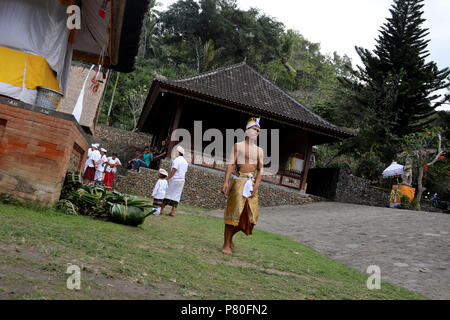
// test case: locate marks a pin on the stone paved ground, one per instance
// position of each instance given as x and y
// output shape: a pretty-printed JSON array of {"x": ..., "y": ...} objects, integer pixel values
[{"x": 411, "y": 248}]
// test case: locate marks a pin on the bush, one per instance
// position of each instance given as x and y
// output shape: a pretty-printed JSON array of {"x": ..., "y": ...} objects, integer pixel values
[
  {"x": 404, "y": 199},
  {"x": 6, "y": 198},
  {"x": 342, "y": 165},
  {"x": 415, "y": 204},
  {"x": 369, "y": 166},
  {"x": 404, "y": 202}
]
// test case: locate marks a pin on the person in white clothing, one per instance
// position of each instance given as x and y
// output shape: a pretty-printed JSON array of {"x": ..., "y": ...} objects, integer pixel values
[
  {"x": 159, "y": 192},
  {"x": 110, "y": 170},
  {"x": 101, "y": 166},
  {"x": 92, "y": 163},
  {"x": 93, "y": 147},
  {"x": 175, "y": 182}
]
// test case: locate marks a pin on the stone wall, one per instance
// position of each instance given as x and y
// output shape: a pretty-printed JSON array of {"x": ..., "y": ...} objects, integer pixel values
[
  {"x": 351, "y": 189},
  {"x": 37, "y": 147},
  {"x": 340, "y": 185},
  {"x": 203, "y": 188}
]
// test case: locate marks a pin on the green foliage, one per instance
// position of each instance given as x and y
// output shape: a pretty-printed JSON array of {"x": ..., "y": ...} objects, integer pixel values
[
  {"x": 7, "y": 198},
  {"x": 404, "y": 200},
  {"x": 369, "y": 166},
  {"x": 424, "y": 145},
  {"x": 343, "y": 165},
  {"x": 415, "y": 204},
  {"x": 426, "y": 149},
  {"x": 437, "y": 177}
]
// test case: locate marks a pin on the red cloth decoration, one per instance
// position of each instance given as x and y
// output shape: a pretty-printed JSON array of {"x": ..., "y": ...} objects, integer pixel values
[{"x": 102, "y": 10}]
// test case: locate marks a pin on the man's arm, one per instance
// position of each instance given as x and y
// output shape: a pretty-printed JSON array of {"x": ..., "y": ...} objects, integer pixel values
[
  {"x": 172, "y": 173},
  {"x": 174, "y": 170},
  {"x": 230, "y": 168},
  {"x": 161, "y": 155},
  {"x": 260, "y": 168}
]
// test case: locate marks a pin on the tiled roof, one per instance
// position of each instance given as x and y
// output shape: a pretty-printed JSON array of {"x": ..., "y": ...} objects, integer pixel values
[{"x": 242, "y": 85}]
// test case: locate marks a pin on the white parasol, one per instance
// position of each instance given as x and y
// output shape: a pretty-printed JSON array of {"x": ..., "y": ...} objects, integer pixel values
[{"x": 393, "y": 170}]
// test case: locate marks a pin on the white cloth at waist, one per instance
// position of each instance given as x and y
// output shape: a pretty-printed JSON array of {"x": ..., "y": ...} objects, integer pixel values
[{"x": 248, "y": 187}]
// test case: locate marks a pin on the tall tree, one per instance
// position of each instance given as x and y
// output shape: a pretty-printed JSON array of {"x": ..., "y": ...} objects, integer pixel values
[{"x": 396, "y": 82}]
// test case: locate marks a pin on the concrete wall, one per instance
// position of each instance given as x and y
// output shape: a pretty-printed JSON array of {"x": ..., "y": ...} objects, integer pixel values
[
  {"x": 203, "y": 187},
  {"x": 37, "y": 147}
]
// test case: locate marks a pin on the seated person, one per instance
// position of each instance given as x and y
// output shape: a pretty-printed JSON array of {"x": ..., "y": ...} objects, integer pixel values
[
  {"x": 160, "y": 154},
  {"x": 147, "y": 158},
  {"x": 137, "y": 156}
]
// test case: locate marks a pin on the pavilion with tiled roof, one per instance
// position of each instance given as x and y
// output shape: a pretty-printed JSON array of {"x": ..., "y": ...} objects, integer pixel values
[{"x": 224, "y": 99}]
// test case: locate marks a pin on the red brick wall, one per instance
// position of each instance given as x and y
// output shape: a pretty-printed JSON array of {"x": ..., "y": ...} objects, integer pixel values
[{"x": 35, "y": 149}]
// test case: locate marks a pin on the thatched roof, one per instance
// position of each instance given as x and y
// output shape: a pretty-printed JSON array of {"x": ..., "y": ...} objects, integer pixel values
[
  {"x": 242, "y": 87},
  {"x": 91, "y": 102}
]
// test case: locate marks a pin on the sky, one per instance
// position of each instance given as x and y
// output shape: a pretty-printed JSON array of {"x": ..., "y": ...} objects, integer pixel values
[{"x": 340, "y": 25}]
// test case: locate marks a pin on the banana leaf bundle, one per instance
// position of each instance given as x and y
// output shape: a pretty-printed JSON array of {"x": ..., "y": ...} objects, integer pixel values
[
  {"x": 98, "y": 202},
  {"x": 74, "y": 177},
  {"x": 128, "y": 215}
]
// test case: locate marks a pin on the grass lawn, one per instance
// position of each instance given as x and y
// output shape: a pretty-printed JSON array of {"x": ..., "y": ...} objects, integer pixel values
[{"x": 165, "y": 258}]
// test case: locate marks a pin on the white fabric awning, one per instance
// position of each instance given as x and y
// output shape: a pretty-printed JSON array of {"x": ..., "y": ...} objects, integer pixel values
[{"x": 393, "y": 170}]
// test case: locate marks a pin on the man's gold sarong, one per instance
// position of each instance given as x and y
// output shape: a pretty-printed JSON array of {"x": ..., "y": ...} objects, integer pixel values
[{"x": 241, "y": 211}]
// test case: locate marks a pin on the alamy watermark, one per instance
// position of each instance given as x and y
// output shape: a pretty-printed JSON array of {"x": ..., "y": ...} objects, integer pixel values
[
  {"x": 74, "y": 280},
  {"x": 220, "y": 142},
  {"x": 374, "y": 281},
  {"x": 74, "y": 19}
]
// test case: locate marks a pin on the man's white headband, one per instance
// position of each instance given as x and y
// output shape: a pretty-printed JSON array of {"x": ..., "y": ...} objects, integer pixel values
[{"x": 253, "y": 123}]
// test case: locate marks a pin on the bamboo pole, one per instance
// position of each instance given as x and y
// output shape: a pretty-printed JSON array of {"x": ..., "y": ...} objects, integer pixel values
[{"x": 112, "y": 98}]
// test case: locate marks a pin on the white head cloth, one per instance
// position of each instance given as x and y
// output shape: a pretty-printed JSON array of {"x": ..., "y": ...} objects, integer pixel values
[
  {"x": 253, "y": 123},
  {"x": 180, "y": 150}
]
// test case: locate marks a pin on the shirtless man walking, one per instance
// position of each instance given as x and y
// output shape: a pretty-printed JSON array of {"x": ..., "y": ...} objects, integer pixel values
[{"x": 241, "y": 212}]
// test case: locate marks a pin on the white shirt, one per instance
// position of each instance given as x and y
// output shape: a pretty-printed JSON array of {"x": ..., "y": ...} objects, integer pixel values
[
  {"x": 103, "y": 160},
  {"x": 113, "y": 162},
  {"x": 160, "y": 189},
  {"x": 181, "y": 165},
  {"x": 96, "y": 156}
]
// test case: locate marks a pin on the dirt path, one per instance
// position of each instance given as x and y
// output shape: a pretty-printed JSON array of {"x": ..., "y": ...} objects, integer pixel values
[{"x": 411, "y": 248}]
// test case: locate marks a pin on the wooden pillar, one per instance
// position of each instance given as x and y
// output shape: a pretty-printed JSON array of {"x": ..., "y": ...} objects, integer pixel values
[
  {"x": 175, "y": 124},
  {"x": 306, "y": 168}
]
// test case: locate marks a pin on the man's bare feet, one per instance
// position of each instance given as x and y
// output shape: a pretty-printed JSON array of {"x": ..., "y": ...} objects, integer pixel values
[
  {"x": 227, "y": 251},
  {"x": 171, "y": 215},
  {"x": 232, "y": 245}
]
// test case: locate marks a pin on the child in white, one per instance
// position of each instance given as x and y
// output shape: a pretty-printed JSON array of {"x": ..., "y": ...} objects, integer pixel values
[
  {"x": 159, "y": 191},
  {"x": 101, "y": 167}
]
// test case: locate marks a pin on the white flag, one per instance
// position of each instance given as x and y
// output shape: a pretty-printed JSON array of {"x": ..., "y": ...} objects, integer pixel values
[{"x": 79, "y": 105}]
